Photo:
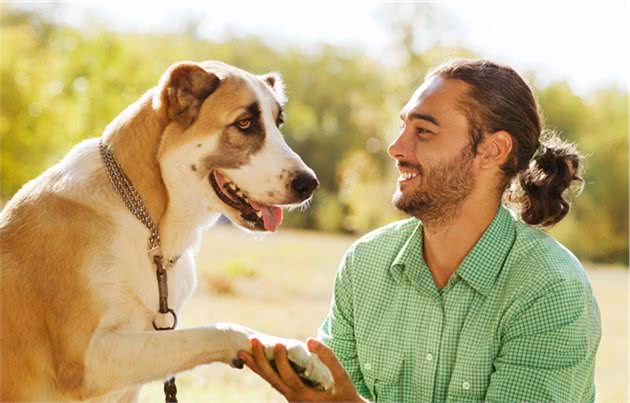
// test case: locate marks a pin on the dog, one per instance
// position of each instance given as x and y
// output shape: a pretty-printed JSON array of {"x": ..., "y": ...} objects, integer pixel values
[{"x": 79, "y": 296}]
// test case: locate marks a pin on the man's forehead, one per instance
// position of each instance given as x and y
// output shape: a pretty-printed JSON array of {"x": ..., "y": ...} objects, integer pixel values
[{"x": 436, "y": 93}]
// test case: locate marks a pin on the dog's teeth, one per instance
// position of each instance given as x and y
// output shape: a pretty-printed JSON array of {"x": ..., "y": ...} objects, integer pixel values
[
  {"x": 259, "y": 214},
  {"x": 232, "y": 186}
]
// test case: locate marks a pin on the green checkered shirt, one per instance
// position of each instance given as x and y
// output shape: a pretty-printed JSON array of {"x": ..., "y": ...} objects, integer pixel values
[{"x": 516, "y": 322}]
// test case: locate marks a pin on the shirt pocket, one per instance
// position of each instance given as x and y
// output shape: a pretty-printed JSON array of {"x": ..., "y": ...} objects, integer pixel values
[
  {"x": 469, "y": 382},
  {"x": 381, "y": 365}
]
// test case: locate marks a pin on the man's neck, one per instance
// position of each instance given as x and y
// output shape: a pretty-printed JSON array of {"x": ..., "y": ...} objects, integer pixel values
[{"x": 446, "y": 244}]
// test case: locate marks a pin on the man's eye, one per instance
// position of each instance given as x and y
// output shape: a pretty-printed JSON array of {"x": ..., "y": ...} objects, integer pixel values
[
  {"x": 280, "y": 121},
  {"x": 244, "y": 124},
  {"x": 421, "y": 130}
]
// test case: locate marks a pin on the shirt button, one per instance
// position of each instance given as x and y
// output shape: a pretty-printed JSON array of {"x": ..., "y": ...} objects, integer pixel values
[
  {"x": 429, "y": 357},
  {"x": 368, "y": 366},
  {"x": 465, "y": 385}
]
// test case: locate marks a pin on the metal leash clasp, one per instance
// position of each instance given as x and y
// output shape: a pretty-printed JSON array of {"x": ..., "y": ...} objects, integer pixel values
[
  {"x": 155, "y": 254},
  {"x": 160, "y": 272}
]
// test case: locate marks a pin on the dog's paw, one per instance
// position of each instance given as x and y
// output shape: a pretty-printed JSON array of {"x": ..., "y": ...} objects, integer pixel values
[{"x": 306, "y": 364}]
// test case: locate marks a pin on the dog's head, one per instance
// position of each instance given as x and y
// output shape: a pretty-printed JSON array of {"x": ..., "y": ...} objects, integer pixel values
[{"x": 222, "y": 149}]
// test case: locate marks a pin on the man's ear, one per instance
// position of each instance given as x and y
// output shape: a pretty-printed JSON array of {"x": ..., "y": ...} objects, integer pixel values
[
  {"x": 495, "y": 149},
  {"x": 275, "y": 82},
  {"x": 182, "y": 90}
]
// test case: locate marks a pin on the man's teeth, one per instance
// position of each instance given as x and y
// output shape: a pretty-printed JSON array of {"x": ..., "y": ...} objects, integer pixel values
[{"x": 407, "y": 175}]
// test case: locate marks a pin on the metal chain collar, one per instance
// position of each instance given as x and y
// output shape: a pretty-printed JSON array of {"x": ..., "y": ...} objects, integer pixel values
[
  {"x": 128, "y": 193},
  {"x": 132, "y": 199}
]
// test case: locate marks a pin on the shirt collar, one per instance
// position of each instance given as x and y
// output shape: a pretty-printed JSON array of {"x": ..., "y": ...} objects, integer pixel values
[
  {"x": 410, "y": 263},
  {"x": 410, "y": 254},
  {"x": 479, "y": 268},
  {"x": 482, "y": 264}
]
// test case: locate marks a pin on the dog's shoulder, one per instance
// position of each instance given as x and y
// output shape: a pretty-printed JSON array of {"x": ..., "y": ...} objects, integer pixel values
[
  {"x": 73, "y": 177},
  {"x": 57, "y": 210}
]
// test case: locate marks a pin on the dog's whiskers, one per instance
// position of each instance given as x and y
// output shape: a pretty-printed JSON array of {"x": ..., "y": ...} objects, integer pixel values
[{"x": 301, "y": 207}]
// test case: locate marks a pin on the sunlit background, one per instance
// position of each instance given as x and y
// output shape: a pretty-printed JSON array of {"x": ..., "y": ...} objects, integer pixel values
[{"x": 67, "y": 69}]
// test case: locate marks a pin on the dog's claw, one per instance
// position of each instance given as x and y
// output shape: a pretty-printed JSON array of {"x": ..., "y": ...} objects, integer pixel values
[
  {"x": 311, "y": 370},
  {"x": 302, "y": 373},
  {"x": 238, "y": 363}
]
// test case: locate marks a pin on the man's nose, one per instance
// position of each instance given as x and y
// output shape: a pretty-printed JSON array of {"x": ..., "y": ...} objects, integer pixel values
[{"x": 399, "y": 148}]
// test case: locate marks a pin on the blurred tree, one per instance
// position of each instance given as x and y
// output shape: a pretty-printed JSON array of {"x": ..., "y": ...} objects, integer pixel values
[
  {"x": 59, "y": 85},
  {"x": 597, "y": 227}
]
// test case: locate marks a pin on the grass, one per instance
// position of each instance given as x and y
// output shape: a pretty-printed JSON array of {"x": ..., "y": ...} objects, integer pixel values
[
  {"x": 281, "y": 284},
  {"x": 240, "y": 268}
]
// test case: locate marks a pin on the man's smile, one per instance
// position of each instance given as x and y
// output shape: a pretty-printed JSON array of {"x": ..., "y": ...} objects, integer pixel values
[
  {"x": 406, "y": 176},
  {"x": 407, "y": 172}
]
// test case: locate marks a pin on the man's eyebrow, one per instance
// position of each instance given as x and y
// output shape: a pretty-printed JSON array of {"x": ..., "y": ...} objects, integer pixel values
[
  {"x": 424, "y": 116},
  {"x": 417, "y": 115}
]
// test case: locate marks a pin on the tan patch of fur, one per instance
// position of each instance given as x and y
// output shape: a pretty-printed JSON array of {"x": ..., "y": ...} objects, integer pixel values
[
  {"x": 44, "y": 333},
  {"x": 183, "y": 89},
  {"x": 217, "y": 112},
  {"x": 135, "y": 137}
]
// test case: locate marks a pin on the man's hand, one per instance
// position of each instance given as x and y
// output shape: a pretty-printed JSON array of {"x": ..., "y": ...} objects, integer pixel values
[{"x": 287, "y": 382}]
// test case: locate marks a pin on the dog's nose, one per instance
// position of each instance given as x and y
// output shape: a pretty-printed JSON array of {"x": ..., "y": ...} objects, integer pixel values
[{"x": 304, "y": 184}]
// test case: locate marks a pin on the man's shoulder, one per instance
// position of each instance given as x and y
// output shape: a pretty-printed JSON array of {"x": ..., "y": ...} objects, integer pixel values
[
  {"x": 378, "y": 248},
  {"x": 544, "y": 283},
  {"x": 537, "y": 260},
  {"x": 391, "y": 234}
]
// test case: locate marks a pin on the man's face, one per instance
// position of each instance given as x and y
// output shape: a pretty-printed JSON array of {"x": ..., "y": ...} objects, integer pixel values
[{"x": 433, "y": 152}]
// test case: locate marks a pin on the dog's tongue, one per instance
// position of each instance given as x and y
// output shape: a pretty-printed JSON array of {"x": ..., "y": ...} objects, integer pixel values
[{"x": 272, "y": 216}]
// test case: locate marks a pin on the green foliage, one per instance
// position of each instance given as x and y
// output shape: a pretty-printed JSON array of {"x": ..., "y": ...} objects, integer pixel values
[
  {"x": 597, "y": 227},
  {"x": 59, "y": 85},
  {"x": 239, "y": 268}
]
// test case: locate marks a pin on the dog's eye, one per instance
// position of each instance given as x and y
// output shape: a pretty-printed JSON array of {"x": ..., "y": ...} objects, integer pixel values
[{"x": 244, "y": 124}]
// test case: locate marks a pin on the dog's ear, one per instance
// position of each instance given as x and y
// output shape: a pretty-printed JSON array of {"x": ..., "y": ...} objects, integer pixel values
[
  {"x": 275, "y": 82},
  {"x": 182, "y": 90}
]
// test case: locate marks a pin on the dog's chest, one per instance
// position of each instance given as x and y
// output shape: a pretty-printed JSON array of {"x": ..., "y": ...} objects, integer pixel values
[
  {"x": 180, "y": 279},
  {"x": 129, "y": 284}
]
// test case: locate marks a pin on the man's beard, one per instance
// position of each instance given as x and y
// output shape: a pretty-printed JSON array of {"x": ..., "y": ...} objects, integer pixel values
[{"x": 441, "y": 191}]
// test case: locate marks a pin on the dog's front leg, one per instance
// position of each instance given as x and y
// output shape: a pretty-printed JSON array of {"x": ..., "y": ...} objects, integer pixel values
[{"x": 118, "y": 359}]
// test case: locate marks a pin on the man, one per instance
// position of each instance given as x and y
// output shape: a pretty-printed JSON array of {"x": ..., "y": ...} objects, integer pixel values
[{"x": 462, "y": 302}]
